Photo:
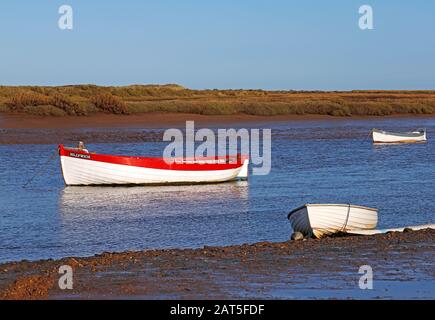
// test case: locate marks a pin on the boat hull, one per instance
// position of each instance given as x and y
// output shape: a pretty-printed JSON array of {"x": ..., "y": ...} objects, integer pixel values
[
  {"x": 379, "y": 136},
  {"x": 82, "y": 168},
  {"x": 243, "y": 174},
  {"x": 320, "y": 220}
]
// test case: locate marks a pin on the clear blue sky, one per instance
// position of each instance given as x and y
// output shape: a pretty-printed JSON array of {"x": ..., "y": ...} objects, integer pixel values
[{"x": 220, "y": 44}]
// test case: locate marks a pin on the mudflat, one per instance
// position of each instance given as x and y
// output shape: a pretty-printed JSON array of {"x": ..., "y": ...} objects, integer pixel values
[
  {"x": 26, "y": 129},
  {"x": 325, "y": 268}
]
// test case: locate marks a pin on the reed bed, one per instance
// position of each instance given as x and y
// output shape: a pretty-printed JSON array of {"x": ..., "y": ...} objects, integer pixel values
[{"x": 82, "y": 100}]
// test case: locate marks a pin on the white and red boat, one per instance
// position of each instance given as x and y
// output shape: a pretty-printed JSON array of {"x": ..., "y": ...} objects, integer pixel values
[{"x": 81, "y": 167}]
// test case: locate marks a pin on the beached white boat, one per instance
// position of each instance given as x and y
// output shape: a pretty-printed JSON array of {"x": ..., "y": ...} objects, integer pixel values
[
  {"x": 81, "y": 167},
  {"x": 380, "y": 136},
  {"x": 320, "y": 220}
]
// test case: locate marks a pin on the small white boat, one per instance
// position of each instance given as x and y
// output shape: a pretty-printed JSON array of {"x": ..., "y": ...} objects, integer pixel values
[
  {"x": 81, "y": 167},
  {"x": 319, "y": 220},
  {"x": 380, "y": 136}
]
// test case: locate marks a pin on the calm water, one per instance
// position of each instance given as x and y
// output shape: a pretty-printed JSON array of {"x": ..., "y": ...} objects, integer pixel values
[{"x": 312, "y": 161}]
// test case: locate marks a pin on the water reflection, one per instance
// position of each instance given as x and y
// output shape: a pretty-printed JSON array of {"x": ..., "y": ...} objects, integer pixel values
[
  {"x": 103, "y": 202},
  {"x": 94, "y": 219}
]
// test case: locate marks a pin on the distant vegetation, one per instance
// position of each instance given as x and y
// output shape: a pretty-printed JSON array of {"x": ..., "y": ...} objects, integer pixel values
[{"x": 82, "y": 100}]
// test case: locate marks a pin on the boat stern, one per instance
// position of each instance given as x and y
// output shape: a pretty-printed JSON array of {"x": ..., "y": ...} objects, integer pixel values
[{"x": 243, "y": 174}]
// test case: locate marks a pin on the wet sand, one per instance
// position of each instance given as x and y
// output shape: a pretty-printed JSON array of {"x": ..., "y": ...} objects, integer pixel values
[
  {"x": 25, "y": 129},
  {"x": 107, "y": 128},
  {"x": 151, "y": 120},
  {"x": 402, "y": 263}
]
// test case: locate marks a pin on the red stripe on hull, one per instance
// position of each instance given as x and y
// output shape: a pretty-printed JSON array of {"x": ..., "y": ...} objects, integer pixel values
[{"x": 158, "y": 163}]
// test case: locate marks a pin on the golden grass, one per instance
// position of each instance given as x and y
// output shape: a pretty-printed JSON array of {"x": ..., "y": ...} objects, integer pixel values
[
  {"x": 47, "y": 110},
  {"x": 28, "y": 103},
  {"x": 136, "y": 99},
  {"x": 109, "y": 103}
]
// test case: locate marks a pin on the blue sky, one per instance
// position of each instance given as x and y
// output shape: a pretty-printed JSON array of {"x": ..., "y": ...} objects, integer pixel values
[{"x": 220, "y": 44}]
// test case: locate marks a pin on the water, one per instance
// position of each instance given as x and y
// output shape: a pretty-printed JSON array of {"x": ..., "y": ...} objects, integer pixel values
[{"x": 312, "y": 161}]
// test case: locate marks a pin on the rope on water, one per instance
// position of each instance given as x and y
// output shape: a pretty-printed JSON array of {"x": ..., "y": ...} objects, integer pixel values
[{"x": 39, "y": 171}]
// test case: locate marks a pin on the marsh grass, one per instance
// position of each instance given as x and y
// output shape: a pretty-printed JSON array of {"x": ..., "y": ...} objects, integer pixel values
[
  {"x": 81, "y": 100},
  {"x": 47, "y": 110},
  {"x": 4, "y": 108},
  {"x": 109, "y": 103},
  {"x": 31, "y": 103}
]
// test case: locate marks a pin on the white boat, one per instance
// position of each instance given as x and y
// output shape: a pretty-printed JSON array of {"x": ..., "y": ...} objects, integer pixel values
[
  {"x": 380, "y": 136},
  {"x": 319, "y": 220},
  {"x": 81, "y": 167}
]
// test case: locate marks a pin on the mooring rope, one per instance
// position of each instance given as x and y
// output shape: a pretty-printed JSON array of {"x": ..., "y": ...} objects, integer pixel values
[
  {"x": 347, "y": 219},
  {"x": 370, "y": 134},
  {"x": 38, "y": 171}
]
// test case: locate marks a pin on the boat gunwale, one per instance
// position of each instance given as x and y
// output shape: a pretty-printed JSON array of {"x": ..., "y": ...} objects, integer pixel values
[
  {"x": 238, "y": 156},
  {"x": 329, "y": 204},
  {"x": 176, "y": 164}
]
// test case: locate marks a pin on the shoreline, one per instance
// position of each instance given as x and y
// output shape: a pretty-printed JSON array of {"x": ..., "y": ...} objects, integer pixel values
[
  {"x": 263, "y": 270},
  {"x": 166, "y": 120},
  {"x": 106, "y": 128}
]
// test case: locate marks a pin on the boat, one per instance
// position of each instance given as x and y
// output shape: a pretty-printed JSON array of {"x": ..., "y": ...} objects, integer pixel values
[
  {"x": 81, "y": 167},
  {"x": 319, "y": 220},
  {"x": 380, "y": 136}
]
